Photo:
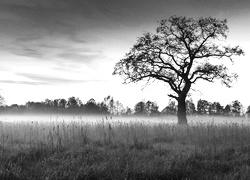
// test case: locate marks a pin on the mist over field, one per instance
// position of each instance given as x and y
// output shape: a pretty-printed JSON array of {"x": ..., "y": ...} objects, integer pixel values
[{"x": 94, "y": 119}]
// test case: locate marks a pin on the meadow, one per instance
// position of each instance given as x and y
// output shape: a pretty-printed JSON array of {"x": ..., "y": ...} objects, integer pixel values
[{"x": 106, "y": 147}]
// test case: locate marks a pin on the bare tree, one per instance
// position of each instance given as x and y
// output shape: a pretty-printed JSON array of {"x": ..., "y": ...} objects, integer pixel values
[{"x": 180, "y": 53}]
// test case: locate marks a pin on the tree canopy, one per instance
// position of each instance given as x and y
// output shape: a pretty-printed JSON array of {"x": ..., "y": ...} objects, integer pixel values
[{"x": 180, "y": 54}]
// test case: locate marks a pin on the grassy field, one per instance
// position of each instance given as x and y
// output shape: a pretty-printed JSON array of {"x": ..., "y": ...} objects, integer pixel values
[{"x": 76, "y": 147}]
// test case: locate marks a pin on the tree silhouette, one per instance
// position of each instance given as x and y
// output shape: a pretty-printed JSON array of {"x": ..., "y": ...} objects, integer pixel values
[
  {"x": 62, "y": 104},
  {"x": 248, "y": 111},
  {"x": 91, "y": 106},
  {"x": 171, "y": 108},
  {"x": 36, "y": 106},
  {"x": 151, "y": 108},
  {"x": 236, "y": 108},
  {"x": 216, "y": 108},
  {"x": 140, "y": 108},
  {"x": 48, "y": 102},
  {"x": 73, "y": 102},
  {"x": 203, "y": 107},
  {"x": 106, "y": 104},
  {"x": 56, "y": 104},
  {"x": 103, "y": 108},
  {"x": 227, "y": 110},
  {"x": 128, "y": 111},
  {"x": 118, "y": 108},
  {"x": 190, "y": 107},
  {"x": 178, "y": 55}
]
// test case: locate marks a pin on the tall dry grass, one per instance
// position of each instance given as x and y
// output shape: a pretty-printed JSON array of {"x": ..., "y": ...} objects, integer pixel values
[
  {"x": 210, "y": 135},
  {"x": 117, "y": 148}
]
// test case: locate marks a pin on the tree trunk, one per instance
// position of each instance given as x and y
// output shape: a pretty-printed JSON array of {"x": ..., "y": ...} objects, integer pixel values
[{"x": 181, "y": 112}]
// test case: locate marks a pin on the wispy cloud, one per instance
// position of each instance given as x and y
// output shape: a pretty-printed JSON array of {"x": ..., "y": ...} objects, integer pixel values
[
  {"x": 22, "y": 82},
  {"x": 83, "y": 55},
  {"x": 49, "y": 80}
]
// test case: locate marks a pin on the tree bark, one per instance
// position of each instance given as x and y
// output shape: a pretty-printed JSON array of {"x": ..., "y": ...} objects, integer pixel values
[{"x": 181, "y": 112}]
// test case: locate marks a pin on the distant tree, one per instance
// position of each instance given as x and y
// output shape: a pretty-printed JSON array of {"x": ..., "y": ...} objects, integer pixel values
[
  {"x": 212, "y": 108},
  {"x": 2, "y": 102},
  {"x": 236, "y": 108},
  {"x": 74, "y": 105},
  {"x": 127, "y": 112},
  {"x": 203, "y": 107},
  {"x": 219, "y": 109},
  {"x": 190, "y": 107},
  {"x": 148, "y": 105},
  {"x": 170, "y": 109},
  {"x": 152, "y": 108},
  {"x": 227, "y": 110},
  {"x": 216, "y": 109},
  {"x": 140, "y": 108},
  {"x": 103, "y": 108},
  {"x": 14, "y": 108},
  {"x": 118, "y": 108},
  {"x": 79, "y": 102},
  {"x": 114, "y": 107},
  {"x": 105, "y": 105},
  {"x": 178, "y": 54},
  {"x": 110, "y": 103},
  {"x": 92, "y": 107},
  {"x": 62, "y": 104},
  {"x": 22, "y": 108},
  {"x": 56, "y": 104},
  {"x": 248, "y": 111},
  {"x": 35, "y": 106},
  {"x": 72, "y": 102},
  {"x": 49, "y": 103}
]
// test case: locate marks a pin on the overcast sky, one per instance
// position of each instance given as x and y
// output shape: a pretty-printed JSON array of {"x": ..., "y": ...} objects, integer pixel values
[{"x": 62, "y": 48}]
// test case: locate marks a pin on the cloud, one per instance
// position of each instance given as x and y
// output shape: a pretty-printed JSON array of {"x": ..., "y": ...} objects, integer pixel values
[
  {"x": 84, "y": 55},
  {"x": 25, "y": 25},
  {"x": 49, "y": 80},
  {"x": 27, "y": 51},
  {"x": 22, "y": 82},
  {"x": 78, "y": 56}
]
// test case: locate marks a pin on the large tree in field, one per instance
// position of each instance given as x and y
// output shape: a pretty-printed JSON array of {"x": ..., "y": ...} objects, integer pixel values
[{"x": 181, "y": 52}]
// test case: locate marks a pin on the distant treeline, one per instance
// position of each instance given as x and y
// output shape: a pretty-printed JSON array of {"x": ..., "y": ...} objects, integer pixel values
[
  {"x": 70, "y": 105},
  {"x": 204, "y": 107},
  {"x": 110, "y": 106}
]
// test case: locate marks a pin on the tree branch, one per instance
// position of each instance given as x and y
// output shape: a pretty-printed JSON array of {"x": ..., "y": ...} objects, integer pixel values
[{"x": 172, "y": 96}]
